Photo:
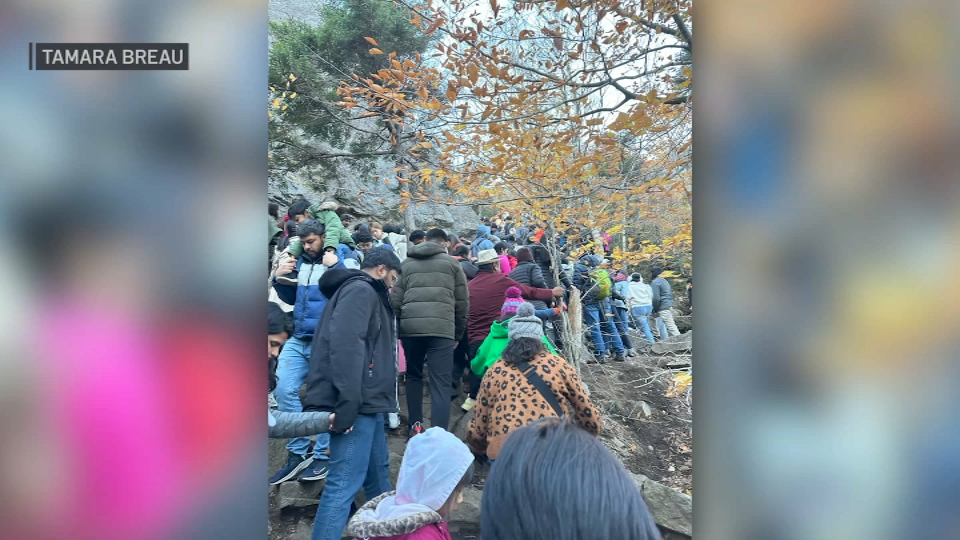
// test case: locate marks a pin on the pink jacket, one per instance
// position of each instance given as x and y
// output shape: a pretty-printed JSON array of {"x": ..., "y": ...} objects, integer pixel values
[
  {"x": 505, "y": 264},
  {"x": 433, "y": 531}
]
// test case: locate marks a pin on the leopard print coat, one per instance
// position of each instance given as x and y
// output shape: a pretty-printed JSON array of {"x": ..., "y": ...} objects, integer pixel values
[
  {"x": 508, "y": 401},
  {"x": 368, "y": 529}
]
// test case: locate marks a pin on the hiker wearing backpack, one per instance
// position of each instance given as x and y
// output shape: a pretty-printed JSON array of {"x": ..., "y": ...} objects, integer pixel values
[
  {"x": 595, "y": 287},
  {"x": 482, "y": 242},
  {"x": 527, "y": 383}
]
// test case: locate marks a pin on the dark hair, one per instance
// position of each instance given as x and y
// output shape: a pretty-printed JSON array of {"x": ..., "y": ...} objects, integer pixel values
[
  {"x": 363, "y": 237},
  {"x": 395, "y": 229},
  {"x": 346, "y": 218},
  {"x": 311, "y": 226},
  {"x": 595, "y": 499},
  {"x": 540, "y": 254},
  {"x": 437, "y": 235},
  {"x": 501, "y": 247},
  {"x": 381, "y": 255},
  {"x": 274, "y": 210},
  {"x": 290, "y": 227},
  {"x": 488, "y": 268},
  {"x": 278, "y": 321},
  {"x": 298, "y": 207},
  {"x": 417, "y": 235},
  {"x": 655, "y": 271},
  {"x": 461, "y": 251},
  {"x": 521, "y": 350}
]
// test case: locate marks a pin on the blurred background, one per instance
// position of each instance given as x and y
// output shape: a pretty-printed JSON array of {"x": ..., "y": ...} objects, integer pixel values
[
  {"x": 132, "y": 203},
  {"x": 827, "y": 226}
]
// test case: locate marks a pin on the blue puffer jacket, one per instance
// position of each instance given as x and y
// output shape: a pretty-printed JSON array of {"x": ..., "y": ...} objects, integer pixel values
[
  {"x": 307, "y": 300},
  {"x": 482, "y": 242}
]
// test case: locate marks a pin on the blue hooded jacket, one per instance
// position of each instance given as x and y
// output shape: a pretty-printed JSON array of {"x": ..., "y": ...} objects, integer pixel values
[
  {"x": 482, "y": 242},
  {"x": 307, "y": 300}
]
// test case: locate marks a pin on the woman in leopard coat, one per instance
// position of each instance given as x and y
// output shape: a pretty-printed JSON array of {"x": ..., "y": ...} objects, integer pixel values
[{"x": 508, "y": 401}]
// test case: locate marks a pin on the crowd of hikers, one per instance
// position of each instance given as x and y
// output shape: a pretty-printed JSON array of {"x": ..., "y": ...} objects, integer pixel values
[{"x": 355, "y": 308}]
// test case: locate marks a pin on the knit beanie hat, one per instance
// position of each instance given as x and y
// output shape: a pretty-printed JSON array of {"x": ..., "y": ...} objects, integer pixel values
[
  {"x": 513, "y": 300},
  {"x": 524, "y": 254},
  {"x": 620, "y": 276},
  {"x": 525, "y": 324}
]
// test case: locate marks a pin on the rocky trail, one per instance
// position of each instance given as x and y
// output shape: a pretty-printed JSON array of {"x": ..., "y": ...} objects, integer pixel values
[{"x": 650, "y": 433}]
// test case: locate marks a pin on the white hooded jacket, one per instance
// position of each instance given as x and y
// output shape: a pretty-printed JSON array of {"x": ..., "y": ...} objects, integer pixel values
[{"x": 640, "y": 294}]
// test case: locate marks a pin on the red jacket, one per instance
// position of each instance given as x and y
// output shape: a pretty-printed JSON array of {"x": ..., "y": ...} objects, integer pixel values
[{"x": 487, "y": 292}]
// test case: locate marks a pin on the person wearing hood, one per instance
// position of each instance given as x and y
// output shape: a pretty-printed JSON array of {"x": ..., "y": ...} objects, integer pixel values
[
  {"x": 432, "y": 303},
  {"x": 435, "y": 470},
  {"x": 499, "y": 336},
  {"x": 482, "y": 242},
  {"x": 353, "y": 374},
  {"x": 663, "y": 302},
  {"x": 640, "y": 303},
  {"x": 527, "y": 383},
  {"x": 462, "y": 254}
]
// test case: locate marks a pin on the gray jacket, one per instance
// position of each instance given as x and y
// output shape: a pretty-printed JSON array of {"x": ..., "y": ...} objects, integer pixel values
[
  {"x": 287, "y": 425},
  {"x": 662, "y": 294}
]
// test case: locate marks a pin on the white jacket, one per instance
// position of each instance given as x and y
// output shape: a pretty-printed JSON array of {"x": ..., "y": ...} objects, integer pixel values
[{"x": 640, "y": 294}]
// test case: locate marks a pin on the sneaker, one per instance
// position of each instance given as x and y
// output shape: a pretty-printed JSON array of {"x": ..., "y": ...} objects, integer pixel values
[
  {"x": 468, "y": 404},
  {"x": 317, "y": 471},
  {"x": 618, "y": 357},
  {"x": 631, "y": 353},
  {"x": 288, "y": 279},
  {"x": 415, "y": 430},
  {"x": 295, "y": 464},
  {"x": 393, "y": 420}
]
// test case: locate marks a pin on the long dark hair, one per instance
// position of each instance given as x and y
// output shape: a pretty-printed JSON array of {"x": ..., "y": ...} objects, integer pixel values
[
  {"x": 521, "y": 350},
  {"x": 594, "y": 499}
]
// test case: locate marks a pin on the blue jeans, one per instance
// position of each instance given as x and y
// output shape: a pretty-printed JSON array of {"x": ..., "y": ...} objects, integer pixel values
[
  {"x": 291, "y": 372},
  {"x": 359, "y": 458},
  {"x": 610, "y": 332},
  {"x": 591, "y": 315},
  {"x": 622, "y": 326},
  {"x": 640, "y": 314}
]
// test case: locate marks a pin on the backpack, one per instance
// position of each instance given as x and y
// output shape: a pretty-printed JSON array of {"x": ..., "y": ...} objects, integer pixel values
[{"x": 603, "y": 282}]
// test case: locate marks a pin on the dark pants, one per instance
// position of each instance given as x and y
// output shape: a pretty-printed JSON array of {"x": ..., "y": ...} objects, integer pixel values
[
  {"x": 461, "y": 361},
  {"x": 474, "y": 380},
  {"x": 621, "y": 319},
  {"x": 437, "y": 354}
]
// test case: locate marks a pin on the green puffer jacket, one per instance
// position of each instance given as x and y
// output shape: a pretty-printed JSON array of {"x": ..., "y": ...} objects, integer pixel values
[
  {"x": 431, "y": 296},
  {"x": 493, "y": 346},
  {"x": 336, "y": 233}
]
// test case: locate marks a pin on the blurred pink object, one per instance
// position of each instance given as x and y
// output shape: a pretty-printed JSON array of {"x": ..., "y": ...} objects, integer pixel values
[{"x": 401, "y": 359}]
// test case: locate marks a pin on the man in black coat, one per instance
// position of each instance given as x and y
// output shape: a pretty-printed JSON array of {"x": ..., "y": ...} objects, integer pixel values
[{"x": 353, "y": 373}]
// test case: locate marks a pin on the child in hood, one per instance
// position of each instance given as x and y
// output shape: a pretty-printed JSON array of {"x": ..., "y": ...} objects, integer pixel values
[{"x": 436, "y": 468}]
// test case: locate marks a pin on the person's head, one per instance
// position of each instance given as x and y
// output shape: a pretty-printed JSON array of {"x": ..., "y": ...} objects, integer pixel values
[
  {"x": 501, "y": 248},
  {"x": 418, "y": 237},
  {"x": 312, "y": 234},
  {"x": 488, "y": 261},
  {"x": 540, "y": 254},
  {"x": 526, "y": 325},
  {"x": 690, "y": 282},
  {"x": 636, "y": 277},
  {"x": 436, "y": 468},
  {"x": 279, "y": 329},
  {"x": 461, "y": 251},
  {"x": 655, "y": 271},
  {"x": 346, "y": 219},
  {"x": 290, "y": 228},
  {"x": 273, "y": 209},
  {"x": 376, "y": 230},
  {"x": 619, "y": 276},
  {"x": 524, "y": 254},
  {"x": 364, "y": 241},
  {"x": 383, "y": 264},
  {"x": 298, "y": 210},
  {"x": 452, "y": 242},
  {"x": 395, "y": 229},
  {"x": 512, "y": 299},
  {"x": 439, "y": 236},
  {"x": 595, "y": 499}
]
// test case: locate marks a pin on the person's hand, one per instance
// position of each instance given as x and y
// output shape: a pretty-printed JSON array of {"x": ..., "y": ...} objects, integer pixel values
[
  {"x": 558, "y": 292},
  {"x": 332, "y": 418},
  {"x": 330, "y": 258},
  {"x": 288, "y": 265}
]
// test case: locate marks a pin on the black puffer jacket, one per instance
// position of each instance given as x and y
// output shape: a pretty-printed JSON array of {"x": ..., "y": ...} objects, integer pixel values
[
  {"x": 469, "y": 269},
  {"x": 353, "y": 364},
  {"x": 528, "y": 273}
]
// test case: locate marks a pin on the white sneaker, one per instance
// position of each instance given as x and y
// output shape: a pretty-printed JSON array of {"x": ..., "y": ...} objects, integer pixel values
[
  {"x": 394, "y": 420},
  {"x": 468, "y": 404}
]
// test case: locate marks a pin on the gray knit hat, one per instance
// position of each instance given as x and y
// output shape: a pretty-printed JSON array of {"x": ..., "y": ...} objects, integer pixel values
[{"x": 525, "y": 324}]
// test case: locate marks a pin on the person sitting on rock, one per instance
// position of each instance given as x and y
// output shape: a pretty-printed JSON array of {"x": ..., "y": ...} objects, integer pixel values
[
  {"x": 436, "y": 468},
  {"x": 593, "y": 498},
  {"x": 527, "y": 383}
]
